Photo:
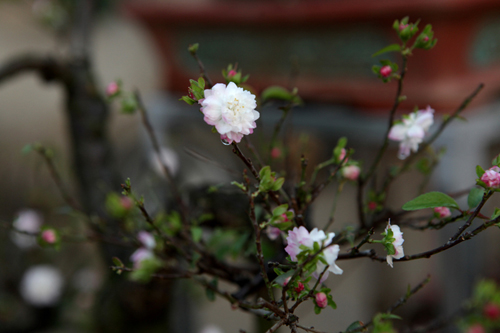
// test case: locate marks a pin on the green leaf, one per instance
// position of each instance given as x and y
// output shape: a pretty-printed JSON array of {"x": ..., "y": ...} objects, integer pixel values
[
  {"x": 278, "y": 211},
  {"x": 280, "y": 93},
  {"x": 390, "y": 48},
  {"x": 496, "y": 214},
  {"x": 354, "y": 326},
  {"x": 281, "y": 279},
  {"x": 475, "y": 196},
  {"x": 479, "y": 171},
  {"x": 277, "y": 184},
  {"x": 431, "y": 200},
  {"x": 27, "y": 149},
  {"x": 196, "y": 233},
  {"x": 187, "y": 99},
  {"x": 118, "y": 262},
  {"x": 317, "y": 309}
]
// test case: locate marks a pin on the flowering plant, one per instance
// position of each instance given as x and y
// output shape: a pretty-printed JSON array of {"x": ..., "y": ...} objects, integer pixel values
[{"x": 206, "y": 242}]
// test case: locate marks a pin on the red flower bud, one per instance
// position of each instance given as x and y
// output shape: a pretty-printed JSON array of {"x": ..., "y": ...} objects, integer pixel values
[
  {"x": 386, "y": 71},
  {"x": 299, "y": 288},
  {"x": 491, "y": 311}
]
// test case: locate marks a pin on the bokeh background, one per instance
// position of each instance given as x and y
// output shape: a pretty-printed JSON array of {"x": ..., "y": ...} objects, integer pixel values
[{"x": 322, "y": 47}]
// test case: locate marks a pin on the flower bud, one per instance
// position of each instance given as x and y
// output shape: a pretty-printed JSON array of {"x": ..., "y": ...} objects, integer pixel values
[
  {"x": 350, "y": 172},
  {"x": 426, "y": 39},
  {"x": 402, "y": 26},
  {"x": 275, "y": 153},
  {"x": 286, "y": 281},
  {"x": 385, "y": 71},
  {"x": 491, "y": 178},
  {"x": 126, "y": 203},
  {"x": 372, "y": 205},
  {"x": 491, "y": 311},
  {"x": 112, "y": 89},
  {"x": 231, "y": 73},
  {"x": 299, "y": 288},
  {"x": 342, "y": 155},
  {"x": 49, "y": 236},
  {"x": 147, "y": 240},
  {"x": 321, "y": 300},
  {"x": 442, "y": 212}
]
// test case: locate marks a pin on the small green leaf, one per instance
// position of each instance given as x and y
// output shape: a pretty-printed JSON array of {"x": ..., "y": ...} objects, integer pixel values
[
  {"x": 475, "y": 196},
  {"x": 193, "y": 48},
  {"x": 431, "y": 200},
  {"x": 479, "y": 171},
  {"x": 196, "y": 233},
  {"x": 496, "y": 214},
  {"x": 317, "y": 309},
  {"x": 355, "y": 326},
  {"x": 390, "y": 48},
  {"x": 187, "y": 99},
  {"x": 278, "y": 211},
  {"x": 281, "y": 279},
  {"x": 118, "y": 262}
]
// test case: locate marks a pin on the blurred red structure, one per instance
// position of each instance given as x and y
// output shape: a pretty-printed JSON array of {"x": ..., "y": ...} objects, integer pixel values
[{"x": 465, "y": 55}]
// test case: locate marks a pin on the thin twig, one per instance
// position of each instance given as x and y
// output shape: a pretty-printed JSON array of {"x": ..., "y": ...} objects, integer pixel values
[
  {"x": 54, "y": 173},
  {"x": 471, "y": 218},
  {"x": 260, "y": 255}
]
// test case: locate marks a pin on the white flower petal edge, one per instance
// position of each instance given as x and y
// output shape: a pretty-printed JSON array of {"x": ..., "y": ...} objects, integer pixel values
[
  {"x": 231, "y": 110},
  {"x": 398, "y": 244},
  {"x": 411, "y": 131},
  {"x": 301, "y": 236}
]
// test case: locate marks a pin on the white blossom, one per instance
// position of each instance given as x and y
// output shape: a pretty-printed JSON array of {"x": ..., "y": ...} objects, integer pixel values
[
  {"x": 411, "y": 131},
  {"x": 231, "y": 110}
]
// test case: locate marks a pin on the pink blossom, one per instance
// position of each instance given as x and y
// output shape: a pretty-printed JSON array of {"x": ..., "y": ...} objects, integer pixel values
[
  {"x": 321, "y": 300},
  {"x": 231, "y": 110},
  {"x": 411, "y": 131},
  {"x": 140, "y": 255},
  {"x": 442, "y": 211},
  {"x": 426, "y": 39},
  {"x": 491, "y": 177},
  {"x": 385, "y": 71},
  {"x": 286, "y": 281},
  {"x": 112, "y": 89},
  {"x": 147, "y": 240},
  {"x": 273, "y": 232},
  {"x": 49, "y": 236},
  {"x": 231, "y": 73},
  {"x": 351, "y": 172},
  {"x": 302, "y": 237},
  {"x": 397, "y": 243},
  {"x": 402, "y": 26}
]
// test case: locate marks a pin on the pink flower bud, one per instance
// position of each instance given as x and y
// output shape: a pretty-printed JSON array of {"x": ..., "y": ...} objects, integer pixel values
[
  {"x": 231, "y": 73},
  {"x": 112, "y": 89},
  {"x": 285, "y": 218},
  {"x": 442, "y": 211},
  {"x": 147, "y": 240},
  {"x": 372, "y": 205},
  {"x": 491, "y": 311},
  {"x": 402, "y": 26},
  {"x": 299, "y": 288},
  {"x": 491, "y": 178},
  {"x": 286, "y": 281},
  {"x": 386, "y": 71},
  {"x": 49, "y": 236},
  {"x": 321, "y": 300},
  {"x": 342, "y": 155},
  {"x": 351, "y": 172},
  {"x": 275, "y": 153},
  {"x": 126, "y": 203},
  {"x": 426, "y": 39},
  {"x": 476, "y": 328}
]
